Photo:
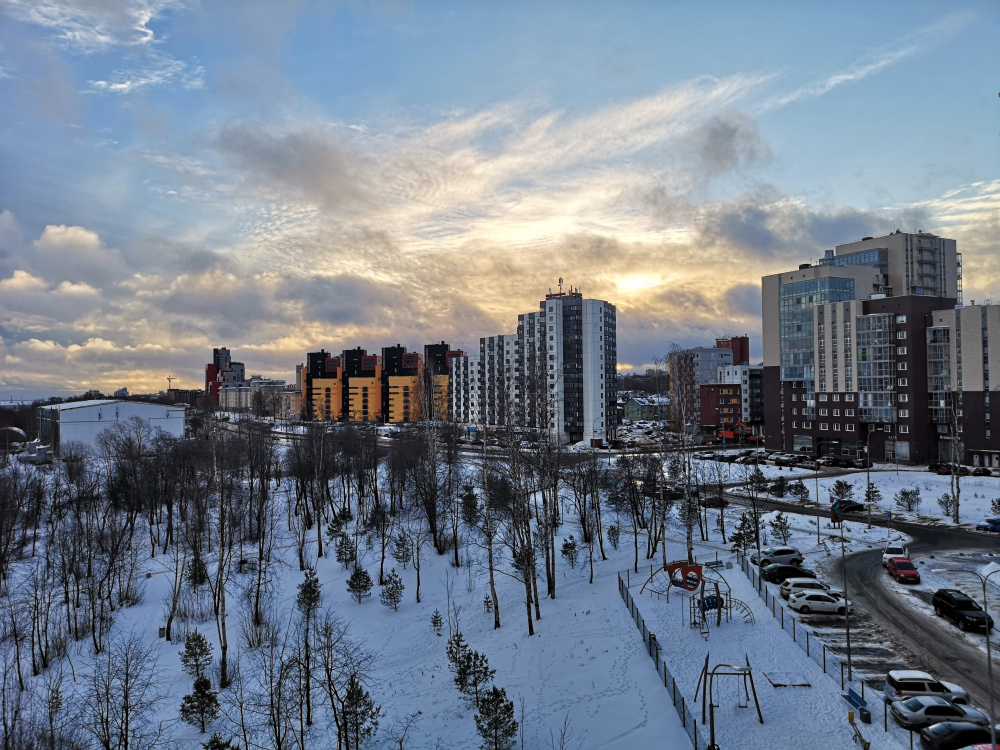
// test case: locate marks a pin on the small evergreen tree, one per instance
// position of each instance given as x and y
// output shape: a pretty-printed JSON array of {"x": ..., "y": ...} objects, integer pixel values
[
  {"x": 361, "y": 715},
  {"x": 437, "y": 621},
  {"x": 197, "y": 654},
  {"x": 469, "y": 506},
  {"x": 781, "y": 527},
  {"x": 570, "y": 550},
  {"x": 908, "y": 499},
  {"x": 995, "y": 506},
  {"x": 197, "y": 573},
  {"x": 947, "y": 503},
  {"x": 401, "y": 549},
  {"x": 779, "y": 487},
  {"x": 495, "y": 721},
  {"x": 457, "y": 652},
  {"x": 335, "y": 528},
  {"x": 201, "y": 706},
  {"x": 359, "y": 585},
  {"x": 215, "y": 742},
  {"x": 613, "y": 535},
  {"x": 392, "y": 590},
  {"x": 873, "y": 495},
  {"x": 309, "y": 594},
  {"x": 346, "y": 552},
  {"x": 479, "y": 673},
  {"x": 841, "y": 490},
  {"x": 744, "y": 537},
  {"x": 799, "y": 491},
  {"x": 758, "y": 482}
]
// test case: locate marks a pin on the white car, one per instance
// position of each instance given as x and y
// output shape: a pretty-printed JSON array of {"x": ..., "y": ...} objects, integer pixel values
[
  {"x": 795, "y": 585},
  {"x": 782, "y": 555},
  {"x": 894, "y": 550},
  {"x": 805, "y": 602}
]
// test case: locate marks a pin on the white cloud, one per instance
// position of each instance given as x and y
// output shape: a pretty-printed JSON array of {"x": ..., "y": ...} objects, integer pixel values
[{"x": 153, "y": 69}]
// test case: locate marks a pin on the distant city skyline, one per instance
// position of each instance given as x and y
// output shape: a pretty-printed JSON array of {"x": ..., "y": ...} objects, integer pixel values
[{"x": 176, "y": 177}]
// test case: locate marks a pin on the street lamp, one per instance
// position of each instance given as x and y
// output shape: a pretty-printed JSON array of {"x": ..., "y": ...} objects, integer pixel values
[
  {"x": 847, "y": 605},
  {"x": 989, "y": 661},
  {"x": 868, "y": 468}
]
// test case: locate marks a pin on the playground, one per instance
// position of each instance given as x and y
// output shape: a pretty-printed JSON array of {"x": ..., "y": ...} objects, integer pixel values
[{"x": 727, "y": 666}]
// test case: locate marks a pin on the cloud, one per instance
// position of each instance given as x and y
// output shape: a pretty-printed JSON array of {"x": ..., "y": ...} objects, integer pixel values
[
  {"x": 73, "y": 253},
  {"x": 93, "y": 25},
  {"x": 728, "y": 142},
  {"x": 150, "y": 70}
]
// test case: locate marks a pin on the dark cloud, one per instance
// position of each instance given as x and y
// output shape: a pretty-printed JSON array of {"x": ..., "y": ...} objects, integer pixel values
[
  {"x": 348, "y": 300},
  {"x": 314, "y": 163},
  {"x": 743, "y": 301},
  {"x": 728, "y": 142}
]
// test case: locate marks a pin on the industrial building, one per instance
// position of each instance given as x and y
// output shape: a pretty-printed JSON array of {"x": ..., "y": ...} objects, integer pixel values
[{"x": 82, "y": 422}]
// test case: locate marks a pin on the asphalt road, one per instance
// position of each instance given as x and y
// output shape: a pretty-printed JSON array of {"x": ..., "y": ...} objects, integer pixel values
[{"x": 935, "y": 644}]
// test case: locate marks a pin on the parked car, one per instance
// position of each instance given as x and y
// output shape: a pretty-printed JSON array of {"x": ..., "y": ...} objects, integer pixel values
[
  {"x": 795, "y": 585},
  {"x": 788, "y": 555},
  {"x": 777, "y": 573},
  {"x": 714, "y": 501},
  {"x": 901, "y": 684},
  {"x": 945, "y": 469},
  {"x": 903, "y": 570},
  {"x": 923, "y": 710},
  {"x": 953, "y": 735},
  {"x": 981, "y": 471},
  {"x": 989, "y": 524},
  {"x": 894, "y": 550},
  {"x": 961, "y": 608},
  {"x": 805, "y": 602},
  {"x": 826, "y": 461},
  {"x": 849, "y": 506}
]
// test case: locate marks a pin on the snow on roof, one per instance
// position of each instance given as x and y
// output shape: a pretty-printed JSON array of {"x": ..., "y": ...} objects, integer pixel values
[{"x": 82, "y": 404}]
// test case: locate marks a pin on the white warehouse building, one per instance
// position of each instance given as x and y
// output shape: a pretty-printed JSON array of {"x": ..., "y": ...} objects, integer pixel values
[{"x": 83, "y": 421}]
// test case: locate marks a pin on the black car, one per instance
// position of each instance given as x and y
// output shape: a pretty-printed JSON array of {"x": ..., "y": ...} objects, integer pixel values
[
  {"x": 952, "y": 735},
  {"x": 981, "y": 471},
  {"x": 846, "y": 506},
  {"x": 961, "y": 609},
  {"x": 778, "y": 572}
]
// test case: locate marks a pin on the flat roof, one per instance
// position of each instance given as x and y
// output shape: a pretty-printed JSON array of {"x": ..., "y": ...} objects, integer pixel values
[{"x": 82, "y": 404}]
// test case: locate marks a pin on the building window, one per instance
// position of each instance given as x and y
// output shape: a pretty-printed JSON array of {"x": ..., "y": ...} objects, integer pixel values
[
  {"x": 848, "y": 412},
  {"x": 901, "y": 382},
  {"x": 836, "y": 397},
  {"x": 822, "y": 397},
  {"x": 836, "y": 426},
  {"x": 848, "y": 397},
  {"x": 824, "y": 426},
  {"x": 904, "y": 397},
  {"x": 822, "y": 412},
  {"x": 836, "y": 412},
  {"x": 807, "y": 425},
  {"x": 900, "y": 350},
  {"x": 906, "y": 428},
  {"x": 795, "y": 425},
  {"x": 901, "y": 365},
  {"x": 900, "y": 318},
  {"x": 900, "y": 334},
  {"x": 849, "y": 427},
  {"x": 904, "y": 413}
]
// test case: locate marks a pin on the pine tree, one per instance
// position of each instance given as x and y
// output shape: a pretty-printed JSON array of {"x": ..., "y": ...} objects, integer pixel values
[
  {"x": 779, "y": 487},
  {"x": 401, "y": 549},
  {"x": 744, "y": 537},
  {"x": 346, "y": 553},
  {"x": 392, "y": 590},
  {"x": 309, "y": 594},
  {"x": 359, "y": 585},
  {"x": 570, "y": 550},
  {"x": 197, "y": 654},
  {"x": 458, "y": 660},
  {"x": 361, "y": 715},
  {"x": 202, "y": 705},
  {"x": 437, "y": 621},
  {"x": 215, "y": 742},
  {"x": 613, "y": 535},
  {"x": 781, "y": 527},
  {"x": 995, "y": 506},
  {"x": 469, "y": 506},
  {"x": 873, "y": 495},
  {"x": 908, "y": 499},
  {"x": 842, "y": 490},
  {"x": 495, "y": 720},
  {"x": 479, "y": 673},
  {"x": 799, "y": 491}
]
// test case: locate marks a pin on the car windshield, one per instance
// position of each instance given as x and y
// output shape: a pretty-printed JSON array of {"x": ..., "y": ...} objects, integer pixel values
[
  {"x": 894, "y": 550},
  {"x": 913, "y": 704},
  {"x": 900, "y": 565},
  {"x": 967, "y": 605}
]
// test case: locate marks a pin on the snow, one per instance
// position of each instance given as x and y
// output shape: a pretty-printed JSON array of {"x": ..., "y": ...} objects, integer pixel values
[{"x": 587, "y": 665}]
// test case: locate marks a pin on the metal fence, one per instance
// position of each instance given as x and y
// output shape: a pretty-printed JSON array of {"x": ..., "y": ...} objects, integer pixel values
[{"x": 699, "y": 737}]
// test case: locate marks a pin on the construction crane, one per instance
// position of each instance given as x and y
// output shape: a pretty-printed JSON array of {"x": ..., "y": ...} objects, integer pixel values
[{"x": 170, "y": 379}]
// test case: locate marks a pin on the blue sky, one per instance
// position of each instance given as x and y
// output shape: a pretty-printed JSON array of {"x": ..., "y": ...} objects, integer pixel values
[{"x": 278, "y": 177}]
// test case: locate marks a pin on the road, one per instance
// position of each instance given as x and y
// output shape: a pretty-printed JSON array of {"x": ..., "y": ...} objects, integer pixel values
[{"x": 935, "y": 644}]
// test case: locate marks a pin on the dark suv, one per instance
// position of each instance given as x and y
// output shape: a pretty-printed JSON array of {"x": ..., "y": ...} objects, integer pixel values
[{"x": 960, "y": 608}]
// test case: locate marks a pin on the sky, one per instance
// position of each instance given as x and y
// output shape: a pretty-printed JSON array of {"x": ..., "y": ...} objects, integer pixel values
[{"x": 280, "y": 177}]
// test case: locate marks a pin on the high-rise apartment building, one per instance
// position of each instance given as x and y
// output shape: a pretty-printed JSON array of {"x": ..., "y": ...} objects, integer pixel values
[
  {"x": 556, "y": 375},
  {"x": 872, "y": 350}
]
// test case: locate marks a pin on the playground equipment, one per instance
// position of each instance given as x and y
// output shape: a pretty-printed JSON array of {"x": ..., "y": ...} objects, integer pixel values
[
  {"x": 704, "y": 588},
  {"x": 706, "y": 684}
]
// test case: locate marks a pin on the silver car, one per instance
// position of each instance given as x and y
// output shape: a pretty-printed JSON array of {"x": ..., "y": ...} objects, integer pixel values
[
  {"x": 901, "y": 684},
  {"x": 923, "y": 710},
  {"x": 795, "y": 585}
]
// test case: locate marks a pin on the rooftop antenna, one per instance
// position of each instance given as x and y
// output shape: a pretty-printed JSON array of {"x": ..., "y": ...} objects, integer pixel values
[{"x": 560, "y": 284}]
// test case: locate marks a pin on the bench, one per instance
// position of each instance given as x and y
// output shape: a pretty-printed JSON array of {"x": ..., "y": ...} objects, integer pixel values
[
  {"x": 714, "y": 564},
  {"x": 852, "y": 697}
]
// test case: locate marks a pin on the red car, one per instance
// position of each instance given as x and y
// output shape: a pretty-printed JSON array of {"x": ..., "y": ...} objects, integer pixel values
[{"x": 903, "y": 570}]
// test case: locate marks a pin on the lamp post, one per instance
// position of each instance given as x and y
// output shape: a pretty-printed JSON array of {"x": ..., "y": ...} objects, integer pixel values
[
  {"x": 847, "y": 606},
  {"x": 868, "y": 469},
  {"x": 818, "y": 541},
  {"x": 989, "y": 661}
]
